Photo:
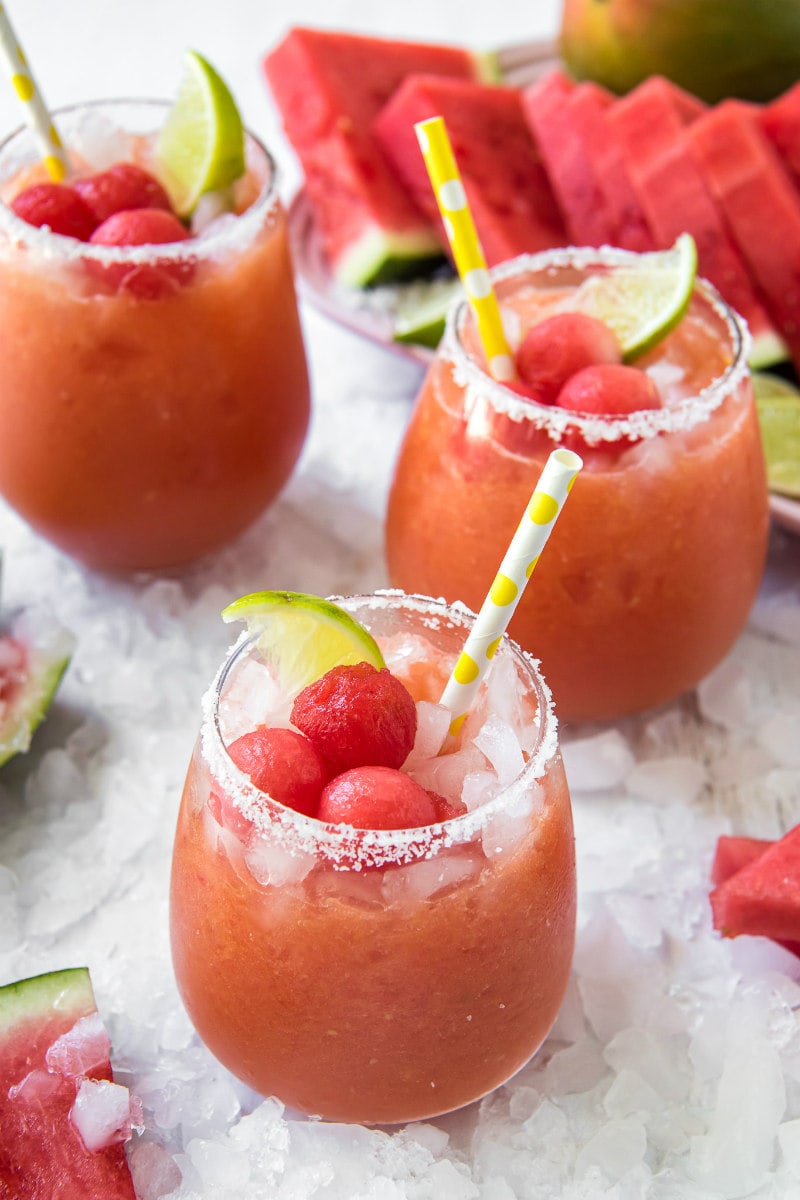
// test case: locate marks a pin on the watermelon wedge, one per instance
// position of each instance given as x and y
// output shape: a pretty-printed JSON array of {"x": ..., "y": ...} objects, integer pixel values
[
  {"x": 762, "y": 898},
  {"x": 35, "y": 651},
  {"x": 780, "y": 121},
  {"x": 506, "y": 185},
  {"x": 53, "y": 1055},
  {"x": 575, "y": 185},
  {"x": 733, "y": 853},
  {"x": 329, "y": 87},
  {"x": 760, "y": 205},
  {"x": 653, "y": 123}
]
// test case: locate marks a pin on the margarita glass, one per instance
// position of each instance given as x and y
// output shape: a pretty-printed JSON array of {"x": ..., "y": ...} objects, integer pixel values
[
  {"x": 145, "y": 431},
  {"x": 378, "y": 976},
  {"x": 652, "y": 569}
]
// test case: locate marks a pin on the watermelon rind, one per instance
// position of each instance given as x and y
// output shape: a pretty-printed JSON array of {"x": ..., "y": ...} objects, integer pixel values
[
  {"x": 25, "y": 1000},
  {"x": 768, "y": 350},
  {"x": 378, "y": 257},
  {"x": 50, "y": 647}
]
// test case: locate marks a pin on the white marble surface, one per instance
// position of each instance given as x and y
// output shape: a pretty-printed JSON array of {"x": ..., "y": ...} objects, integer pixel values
[{"x": 674, "y": 1071}]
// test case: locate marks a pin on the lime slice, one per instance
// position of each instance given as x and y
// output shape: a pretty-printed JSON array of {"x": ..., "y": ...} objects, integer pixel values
[
  {"x": 201, "y": 145},
  {"x": 303, "y": 636},
  {"x": 778, "y": 403},
  {"x": 644, "y": 301},
  {"x": 420, "y": 315}
]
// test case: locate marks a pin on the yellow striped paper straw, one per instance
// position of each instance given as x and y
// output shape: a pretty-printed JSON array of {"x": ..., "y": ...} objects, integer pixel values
[
  {"x": 470, "y": 263},
  {"x": 520, "y": 559},
  {"x": 36, "y": 114}
]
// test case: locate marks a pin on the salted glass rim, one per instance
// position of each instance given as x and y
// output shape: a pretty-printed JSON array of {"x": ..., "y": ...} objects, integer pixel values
[
  {"x": 233, "y": 235},
  {"x": 680, "y": 416},
  {"x": 353, "y": 849}
]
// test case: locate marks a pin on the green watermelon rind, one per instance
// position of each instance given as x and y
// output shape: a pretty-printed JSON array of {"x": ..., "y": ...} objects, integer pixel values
[
  {"x": 66, "y": 991},
  {"x": 379, "y": 256},
  {"x": 46, "y": 666},
  {"x": 768, "y": 350}
]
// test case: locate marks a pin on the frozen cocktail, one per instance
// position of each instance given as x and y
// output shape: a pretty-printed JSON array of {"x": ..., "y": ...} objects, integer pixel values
[{"x": 398, "y": 943}]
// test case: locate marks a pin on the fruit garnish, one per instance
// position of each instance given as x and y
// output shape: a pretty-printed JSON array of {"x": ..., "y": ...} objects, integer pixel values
[
  {"x": 778, "y": 404},
  {"x": 610, "y": 389},
  {"x": 123, "y": 186},
  {"x": 357, "y": 716},
  {"x": 200, "y": 147},
  {"x": 420, "y": 316},
  {"x": 284, "y": 764},
  {"x": 642, "y": 302},
  {"x": 139, "y": 227},
  {"x": 59, "y": 207},
  {"x": 558, "y": 347},
  {"x": 34, "y": 654},
  {"x": 376, "y": 798},
  {"x": 303, "y": 636}
]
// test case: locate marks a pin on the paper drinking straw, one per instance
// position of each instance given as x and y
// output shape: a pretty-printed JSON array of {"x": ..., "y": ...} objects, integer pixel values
[
  {"x": 36, "y": 114},
  {"x": 467, "y": 252},
  {"x": 520, "y": 559}
]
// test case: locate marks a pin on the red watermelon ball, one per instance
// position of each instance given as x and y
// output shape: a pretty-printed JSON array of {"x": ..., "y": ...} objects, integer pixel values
[
  {"x": 123, "y": 186},
  {"x": 377, "y": 798},
  {"x": 357, "y": 716},
  {"x": 141, "y": 227},
  {"x": 609, "y": 390},
  {"x": 559, "y": 346},
  {"x": 58, "y": 207},
  {"x": 283, "y": 764}
]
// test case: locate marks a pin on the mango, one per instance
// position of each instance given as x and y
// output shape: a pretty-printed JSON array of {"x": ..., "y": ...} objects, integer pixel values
[{"x": 713, "y": 48}]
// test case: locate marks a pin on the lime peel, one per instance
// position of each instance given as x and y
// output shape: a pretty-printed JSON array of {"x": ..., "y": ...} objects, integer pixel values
[
  {"x": 644, "y": 301},
  {"x": 303, "y": 636},
  {"x": 778, "y": 404},
  {"x": 200, "y": 147}
]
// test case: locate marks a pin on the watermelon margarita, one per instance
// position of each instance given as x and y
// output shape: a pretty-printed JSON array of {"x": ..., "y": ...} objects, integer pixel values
[
  {"x": 380, "y": 975},
  {"x": 653, "y": 567},
  {"x": 153, "y": 400}
]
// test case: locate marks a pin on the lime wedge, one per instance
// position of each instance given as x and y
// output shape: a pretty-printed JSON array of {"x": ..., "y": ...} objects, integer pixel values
[
  {"x": 420, "y": 315},
  {"x": 778, "y": 403},
  {"x": 201, "y": 145},
  {"x": 303, "y": 636},
  {"x": 642, "y": 302}
]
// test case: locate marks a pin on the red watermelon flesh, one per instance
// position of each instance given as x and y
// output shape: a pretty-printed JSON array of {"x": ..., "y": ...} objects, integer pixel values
[
  {"x": 760, "y": 205},
  {"x": 627, "y": 225},
  {"x": 329, "y": 87},
  {"x": 508, "y": 191},
  {"x": 780, "y": 121},
  {"x": 569, "y": 168},
  {"x": 51, "y": 1046},
  {"x": 762, "y": 898},
  {"x": 650, "y": 123},
  {"x": 733, "y": 853}
]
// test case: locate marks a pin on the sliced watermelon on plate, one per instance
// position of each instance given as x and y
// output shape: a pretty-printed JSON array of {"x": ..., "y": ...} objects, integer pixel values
[
  {"x": 329, "y": 87},
  {"x": 509, "y": 194},
  {"x": 780, "y": 121},
  {"x": 56, "y": 1094},
  {"x": 762, "y": 898}
]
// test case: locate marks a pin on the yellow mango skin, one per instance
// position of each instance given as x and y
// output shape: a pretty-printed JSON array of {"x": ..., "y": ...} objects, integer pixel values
[{"x": 713, "y": 48}]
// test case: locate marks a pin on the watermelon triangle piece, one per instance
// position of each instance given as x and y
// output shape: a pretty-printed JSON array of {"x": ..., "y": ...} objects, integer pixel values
[
  {"x": 329, "y": 87},
  {"x": 569, "y": 168},
  {"x": 42, "y": 1152},
  {"x": 507, "y": 188},
  {"x": 733, "y": 853},
  {"x": 651, "y": 122},
  {"x": 762, "y": 898},
  {"x": 780, "y": 121}
]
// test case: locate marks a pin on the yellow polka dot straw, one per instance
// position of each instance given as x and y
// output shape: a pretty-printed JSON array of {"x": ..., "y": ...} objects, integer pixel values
[
  {"x": 451, "y": 198},
  {"x": 29, "y": 96},
  {"x": 544, "y": 506}
]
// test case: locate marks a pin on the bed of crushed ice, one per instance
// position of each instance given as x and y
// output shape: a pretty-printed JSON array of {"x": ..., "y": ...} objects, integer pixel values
[{"x": 673, "y": 1072}]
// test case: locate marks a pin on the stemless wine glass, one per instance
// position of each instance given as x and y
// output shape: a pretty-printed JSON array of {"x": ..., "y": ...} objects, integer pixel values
[
  {"x": 651, "y": 572},
  {"x": 378, "y": 976},
  {"x": 153, "y": 400}
]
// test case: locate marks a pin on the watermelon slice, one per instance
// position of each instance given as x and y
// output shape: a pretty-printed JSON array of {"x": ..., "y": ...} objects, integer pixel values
[
  {"x": 577, "y": 189},
  {"x": 760, "y": 205},
  {"x": 780, "y": 121},
  {"x": 34, "y": 654},
  {"x": 653, "y": 123},
  {"x": 506, "y": 185},
  {"x": 53, "y": 1055},
  {"x": 762, "y": 898},
  {"x": 733, "y": 853},
  {"x": 329, "y": 87}
]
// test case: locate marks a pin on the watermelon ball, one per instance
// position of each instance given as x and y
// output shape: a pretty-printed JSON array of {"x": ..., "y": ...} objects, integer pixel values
[
  {"x": 559, "y": 346},
  {"x": 283, "y": 764},
  {"x": 609, "y": 389},
  {"x": 124, "y": 186},
  {"x": 141, "y": 227},
  {"x": 376, "y": 798},
  {"x": 357, "y": 716},
  {"x": 58, "y": 207}
]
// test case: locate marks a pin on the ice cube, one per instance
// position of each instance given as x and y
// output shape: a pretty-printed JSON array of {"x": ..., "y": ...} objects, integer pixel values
[
  {"x": 430, "y": 877},
  {"x": 596, "y": 763},
  {"x": 254, "y": 698},
  {"x": 667, "y": 780},
  {"x": 155, "y": 1172},
  {"x": 779, "y": 736},
  {"x": 433, "y": 723},
  {"x": 724, "y": 696},
  {"x": 616, "y": 1148},
  {"x": 101, "y": 1113},
  {"x": 499, "y": 743},
  {"x": 273, "y": 865},
  {"x": 82, "y": 1048}
]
